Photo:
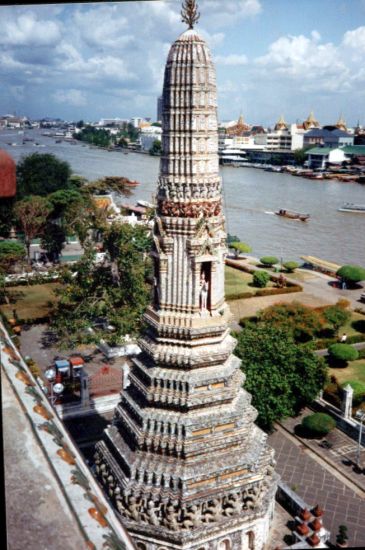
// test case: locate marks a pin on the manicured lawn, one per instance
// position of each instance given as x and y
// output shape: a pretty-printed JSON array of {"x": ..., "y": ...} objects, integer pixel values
[
  {"x": 356, "y": 325},
  {"x": 237, "y": 281},
  {"x": 30, "y": 302},
  {"x": 354, "y": 371}
]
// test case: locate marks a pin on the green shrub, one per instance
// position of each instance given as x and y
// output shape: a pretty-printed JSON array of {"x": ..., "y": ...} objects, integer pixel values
[
  {"x": 318, "y": 424},
  {"x": 260, "y": 279},
  {"x": 269, "y": 260},
  {"x": 275, "y": 291},
  {"x": 351, "y": 273},
  {"x": 291, "y": 266},
  {"x": 343, "y": 353},
  {"x": 336, "y": 316},
  {"x": 359, "y": 390},
  {"x": 361, "y": 353},
  {"x": 239, "y": 296}
]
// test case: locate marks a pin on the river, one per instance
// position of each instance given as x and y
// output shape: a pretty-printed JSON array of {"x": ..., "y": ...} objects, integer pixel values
[{"x": 250, "y": 196}]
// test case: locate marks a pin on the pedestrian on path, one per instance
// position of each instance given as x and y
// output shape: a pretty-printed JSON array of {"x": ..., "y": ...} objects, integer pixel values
[{"x": 343, "y": 338}]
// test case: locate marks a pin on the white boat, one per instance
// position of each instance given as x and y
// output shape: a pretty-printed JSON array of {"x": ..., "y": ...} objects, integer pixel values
[{"x": 350, "y": 207}]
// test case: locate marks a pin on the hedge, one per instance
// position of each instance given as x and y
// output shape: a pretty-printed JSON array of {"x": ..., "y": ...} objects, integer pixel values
[
  {"x": 318, "y": 423},
  {"x": 284, "y": 290},
  {"x": 239, "y": 296}
]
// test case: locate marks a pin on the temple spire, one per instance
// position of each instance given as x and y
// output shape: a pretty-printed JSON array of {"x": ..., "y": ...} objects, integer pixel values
[{"x": 189, "y": 13}]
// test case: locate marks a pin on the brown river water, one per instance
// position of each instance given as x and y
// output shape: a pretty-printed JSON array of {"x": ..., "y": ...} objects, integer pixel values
[{"x": 251, "y": 196}]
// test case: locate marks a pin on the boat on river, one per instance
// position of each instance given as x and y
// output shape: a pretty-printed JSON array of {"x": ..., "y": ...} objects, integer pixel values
[
  {"x": 292, "y": 215},
  {"x": 350, "y": 207}
]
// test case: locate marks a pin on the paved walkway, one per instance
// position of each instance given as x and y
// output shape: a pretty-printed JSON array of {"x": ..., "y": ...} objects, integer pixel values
[
  {"x": 343, "y": 452},
  {"x": 316, "y": 482}
]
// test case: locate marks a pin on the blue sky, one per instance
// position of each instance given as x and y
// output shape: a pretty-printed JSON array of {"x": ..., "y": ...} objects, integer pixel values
[{"x": 272, "y": 57}]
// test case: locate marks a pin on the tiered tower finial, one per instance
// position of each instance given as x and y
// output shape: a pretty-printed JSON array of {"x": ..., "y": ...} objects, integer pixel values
[{"x": 189, "y": 13}]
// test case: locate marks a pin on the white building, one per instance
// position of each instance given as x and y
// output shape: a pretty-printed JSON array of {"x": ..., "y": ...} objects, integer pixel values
[
  {"x": 318, "y": 157},
  {"x": 148, "y": 135}
]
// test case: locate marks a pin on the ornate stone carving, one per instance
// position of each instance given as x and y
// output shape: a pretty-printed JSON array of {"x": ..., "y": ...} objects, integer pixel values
[{"x": 205, "y": 209}]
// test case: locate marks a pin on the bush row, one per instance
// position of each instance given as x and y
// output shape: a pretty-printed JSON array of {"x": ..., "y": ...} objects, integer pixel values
[
  {"x": 37, "y": 280},
  {"x": 284, "y": 290}
]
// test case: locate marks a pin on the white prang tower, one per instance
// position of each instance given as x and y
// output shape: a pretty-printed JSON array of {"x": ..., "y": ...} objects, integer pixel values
[{"x": 183, "y": 461}]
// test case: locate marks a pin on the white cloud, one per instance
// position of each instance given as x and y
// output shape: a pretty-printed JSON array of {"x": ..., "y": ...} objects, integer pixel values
[
  {"x": 72, "y": 97},
  {"x": 312, "y": 64},
  {"x": 232, "y": 59},
  {"x": 27, "y": 30},
  {"x": 355, "y": 39},
  {"x": 233, "y": 10}
]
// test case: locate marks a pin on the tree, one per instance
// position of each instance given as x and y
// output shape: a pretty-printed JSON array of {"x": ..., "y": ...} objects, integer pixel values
[
  {"x": 318, "y": 424},
  {"x": 269, "y": 261},
  {"x": 281, "y": 376},
  {"x": 120, "y": 184},
  {"x": 41, "y": 174},
  {"x": 342, "y": 537},
  {"x": 351, "y": 274},
  {"x": 7, "y": 220},
  {"x": 156, "y": 148},
  {"x": 290, "y": 266},
  {"x": 63, "y": 199},
  {"x": 300, "y": 155},
  {"x": 32, "y": 214},
  {"x": 80, "y": 124},
  {"x": 123, "y": 142},
  {"x": 11, "y": 252},
  {"x": 232, "y": 239},
  {"x": 53, "y": 240},
  {"x": 340, "y": 354},
  {"x": 115, "y": 291},
  {"x": 260, "y": 279},
  {"x": 336, "y": 316},
  {"x": 302, "y": 321},
  {"x": 239, "y": 247}
]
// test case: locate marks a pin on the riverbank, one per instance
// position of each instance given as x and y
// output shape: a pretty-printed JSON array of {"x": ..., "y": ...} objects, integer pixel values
[{"x": 251, "y": 197}]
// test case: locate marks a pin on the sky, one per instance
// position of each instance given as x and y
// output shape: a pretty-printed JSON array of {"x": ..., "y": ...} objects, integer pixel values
[{"x": 105, "y": 60}]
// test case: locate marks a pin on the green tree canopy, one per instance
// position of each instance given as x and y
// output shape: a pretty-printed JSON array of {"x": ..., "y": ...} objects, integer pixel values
[
  {"x": 53, "y": 240},
  {"x": 63, "y": 199},
  {"x": 11, "y": 252},
  {"x": 337, "y": 316},
  {"x": 318, "y": 424},
  {"x": 290, "y": 266},
  {"x": 156, "y": 148},
  {"x": 115, "y": 290},
  {"x": 302, "y": 321},
  {"x": 239, "y": 247},
  {"x": 41, "y": 174},
  {"x": 269, "y": 260},
  {"x": 281, "y": 376},
  {"x": 351, "y": 273}
]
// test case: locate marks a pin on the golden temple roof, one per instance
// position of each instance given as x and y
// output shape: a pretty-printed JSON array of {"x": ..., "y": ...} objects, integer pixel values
[
  {"x": 311, "y": 122},
  {"x": 341, "y": 124},
  {"x": 281, "y": 124}
]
